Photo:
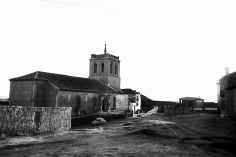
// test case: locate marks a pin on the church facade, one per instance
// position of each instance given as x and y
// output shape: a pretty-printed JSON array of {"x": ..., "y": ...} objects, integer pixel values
[{"x": 99, "y": 93}]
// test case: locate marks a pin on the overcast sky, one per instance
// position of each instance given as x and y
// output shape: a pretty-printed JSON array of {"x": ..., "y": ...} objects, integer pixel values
[{"x": 168, "y": 48}]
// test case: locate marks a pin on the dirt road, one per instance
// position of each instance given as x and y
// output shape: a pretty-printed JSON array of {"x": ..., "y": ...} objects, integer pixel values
[{"x": 191, "y": 135}]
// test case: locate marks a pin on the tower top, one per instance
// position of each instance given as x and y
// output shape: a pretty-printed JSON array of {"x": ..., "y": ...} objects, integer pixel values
[
  {"x": 105, "y": 48},
  {"x": 105, "y": 55}
]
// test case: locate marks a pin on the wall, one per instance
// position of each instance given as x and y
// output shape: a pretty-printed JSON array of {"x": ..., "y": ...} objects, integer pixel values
[
  {"x": 21, "y": 120},
  {"x": 45, "y": 94},
  {"x": 83, "y": 103},
  {"x": 21, "y": 93},
  {"x": 229, "y": 103},
  {"x": 227, "y": 95},
  {"x": 122, "y": 102},
  {"x": 108, "y": 80},
  {"x": 32, "y": 93}
]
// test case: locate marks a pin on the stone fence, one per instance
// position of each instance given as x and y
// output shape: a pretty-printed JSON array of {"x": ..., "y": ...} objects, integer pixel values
[{"x": 21, "y": 120}]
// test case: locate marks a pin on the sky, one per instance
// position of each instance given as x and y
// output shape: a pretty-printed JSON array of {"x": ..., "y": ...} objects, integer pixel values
[{"x": 168, "y": 48}]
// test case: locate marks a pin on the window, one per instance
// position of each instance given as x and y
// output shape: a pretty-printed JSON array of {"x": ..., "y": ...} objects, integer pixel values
[
  {"x": 116, "y": 69},
  {"x": 111, "y": 66},
  {"x": 95, "y": 68},
  {"x": 102, "y": 67}
]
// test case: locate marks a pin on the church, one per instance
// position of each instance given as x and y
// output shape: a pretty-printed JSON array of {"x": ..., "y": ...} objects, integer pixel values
[{"x": 100, "y": 92}]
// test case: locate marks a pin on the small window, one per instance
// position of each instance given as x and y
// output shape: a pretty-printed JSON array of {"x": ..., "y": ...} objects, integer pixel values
[
  {"x": 111, "y": 66},
  {"x": 116, "y": 69},
  {"x": 102, "y": 67},
  {"x": 95, "y": 68}
]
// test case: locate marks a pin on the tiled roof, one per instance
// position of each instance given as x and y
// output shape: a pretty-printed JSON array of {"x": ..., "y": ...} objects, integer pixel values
[{"x": 69, "y": 83}]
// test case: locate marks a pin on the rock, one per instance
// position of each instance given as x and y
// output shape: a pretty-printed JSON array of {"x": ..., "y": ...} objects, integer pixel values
[
  {"x": 3, "y": 136},
  {"x": 99, "y": 121}
]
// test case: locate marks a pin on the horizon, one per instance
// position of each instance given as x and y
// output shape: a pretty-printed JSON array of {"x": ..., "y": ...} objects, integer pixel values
[{"x": 168, "y": 49}]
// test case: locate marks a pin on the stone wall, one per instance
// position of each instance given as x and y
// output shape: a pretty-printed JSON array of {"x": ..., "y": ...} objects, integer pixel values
[{"x": 21, "y": 120}]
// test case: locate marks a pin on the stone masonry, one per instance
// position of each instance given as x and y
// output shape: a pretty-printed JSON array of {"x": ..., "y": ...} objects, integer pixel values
[{"x": 21, "y": 120}]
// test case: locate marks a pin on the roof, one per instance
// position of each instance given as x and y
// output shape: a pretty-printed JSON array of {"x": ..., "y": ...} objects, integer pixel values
[
  {"x": 129, "y": 91},
  {"x": 103, "y": 56},
  {"x": 164, "y": 103},
  {"x": 190, "y": 98},
  {"x": 68, "y": 83},
  {"x": 4, "y": 100}
]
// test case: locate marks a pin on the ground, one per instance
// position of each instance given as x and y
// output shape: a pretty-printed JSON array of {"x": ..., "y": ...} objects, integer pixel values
[{"x": 205, "y": 135}]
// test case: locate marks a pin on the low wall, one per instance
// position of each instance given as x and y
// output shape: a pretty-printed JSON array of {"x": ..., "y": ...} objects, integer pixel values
[{"x": 19, "y": 120}]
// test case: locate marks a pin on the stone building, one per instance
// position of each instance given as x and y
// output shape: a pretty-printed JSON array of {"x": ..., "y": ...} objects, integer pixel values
[
  {"x": 227, "y": 95},
  {"x": 100, "y": 92}
]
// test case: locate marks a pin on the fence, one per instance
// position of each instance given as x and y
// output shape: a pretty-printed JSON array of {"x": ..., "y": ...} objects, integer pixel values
[{"x": 21, "y": 120}]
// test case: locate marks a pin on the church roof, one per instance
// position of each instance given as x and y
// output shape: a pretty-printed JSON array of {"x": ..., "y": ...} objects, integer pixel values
[{"x": 68, "y": 83}]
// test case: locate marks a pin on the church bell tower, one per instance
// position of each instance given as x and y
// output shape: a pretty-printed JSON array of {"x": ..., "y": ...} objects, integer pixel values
[{"x": 105, "y": 68}]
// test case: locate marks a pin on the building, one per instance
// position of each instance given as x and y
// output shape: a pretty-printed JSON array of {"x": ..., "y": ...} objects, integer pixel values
[
  {"x": 192, "y": 102},
  {"x": 100, "y": 92},
  {"x": 134, "y": 100},
  {"x": 227, "y": 95}
]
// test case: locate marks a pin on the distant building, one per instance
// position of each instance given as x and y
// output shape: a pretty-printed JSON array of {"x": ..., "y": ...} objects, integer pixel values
[
  {"x": 186, "y": 105},
  {"x": 227, "y": 95},
  {"x": 162, "y": 105},
  {"x": 192, "y": 102},
  {"x": 100, "y": 92}
]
